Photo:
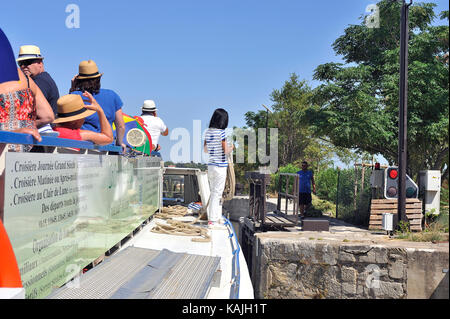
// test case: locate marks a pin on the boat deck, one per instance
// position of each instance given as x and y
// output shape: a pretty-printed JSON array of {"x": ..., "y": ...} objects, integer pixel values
[
  {"x": 140, "y": 273},
  {"x": 153, "y": 265}
]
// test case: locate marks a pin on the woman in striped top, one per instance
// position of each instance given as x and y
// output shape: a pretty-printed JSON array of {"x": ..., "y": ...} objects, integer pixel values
[{"x": 216, "y": 147}]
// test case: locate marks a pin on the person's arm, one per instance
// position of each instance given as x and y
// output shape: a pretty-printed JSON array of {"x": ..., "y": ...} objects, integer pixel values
[
  {"x": 166, "y": 131},
  {"x": 34, "y": 132},
  {"x": 105, "y": 136},
  {"x": 44, "y": 111},
  {"x": 205, "y": 148},
  {"x": 313, "y": 184},
  {"x": 120, "y": 129}
]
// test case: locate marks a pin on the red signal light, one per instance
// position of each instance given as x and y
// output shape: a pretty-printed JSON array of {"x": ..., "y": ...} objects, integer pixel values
[
  {"x": 391, "y": 192},
  {"x": 377, "y": 166},
  {"x": 393, "y": 173}
]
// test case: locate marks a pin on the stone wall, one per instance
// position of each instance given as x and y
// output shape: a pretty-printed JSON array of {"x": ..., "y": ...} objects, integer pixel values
[{"x": 294, "y": 266}]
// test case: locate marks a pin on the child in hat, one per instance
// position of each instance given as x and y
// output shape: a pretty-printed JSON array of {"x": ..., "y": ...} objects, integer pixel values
[{"x": 71, "y": 114}]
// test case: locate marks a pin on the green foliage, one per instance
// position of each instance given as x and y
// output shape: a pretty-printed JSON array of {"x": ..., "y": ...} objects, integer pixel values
[
  {"x": 324, "y": 206},
  {"x": 326, "y": 184},
  {"x": 356, "y": 106},
  {"x": 444, "y": 197},
  {"x": 403, "y": 227},
  {"x": 346, "y": 187},
  {"x": 351, "y": 208},
  {"x": 275, "y": 178},
  {"x": 289, "y": 105},
  {"x": 295, "y": 142}
]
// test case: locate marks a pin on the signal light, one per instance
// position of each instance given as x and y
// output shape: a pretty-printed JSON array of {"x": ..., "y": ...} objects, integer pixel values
[
  {"x": 392, "y": 172},
  {"x": 391, "y": 191},
  {"x": 410, "y": 192},
  {"x": 391, "y": 185},
  {"x": 377, "y": 166}
]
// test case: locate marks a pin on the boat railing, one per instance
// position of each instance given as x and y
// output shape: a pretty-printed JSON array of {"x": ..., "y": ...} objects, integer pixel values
[
  {"x": 7, "y": 137},
  {"x": 235, "y": 270},
  {"x": 65, "y": 211}
]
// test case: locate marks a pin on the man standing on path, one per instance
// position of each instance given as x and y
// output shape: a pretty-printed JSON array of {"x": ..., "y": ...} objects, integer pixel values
[
  {"x": 154, "y": 125},
  {"x": 306, "y": 178},
  {"x": 31, "y": 62}
]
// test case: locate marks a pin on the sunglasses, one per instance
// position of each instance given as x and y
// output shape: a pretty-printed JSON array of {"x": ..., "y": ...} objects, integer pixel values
[{"x": 28, "y": 62}]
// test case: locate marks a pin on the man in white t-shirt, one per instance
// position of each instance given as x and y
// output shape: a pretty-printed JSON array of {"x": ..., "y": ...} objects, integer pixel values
[{"x": 154, "y": 125}]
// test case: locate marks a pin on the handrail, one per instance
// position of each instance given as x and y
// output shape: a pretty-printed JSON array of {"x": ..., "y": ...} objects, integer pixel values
[
  {"x": 7, "y": 137},
  {"x": 236, "y": 269},
  {"x": 286, "y": 195},
  {"x": 289, "y": 174}
]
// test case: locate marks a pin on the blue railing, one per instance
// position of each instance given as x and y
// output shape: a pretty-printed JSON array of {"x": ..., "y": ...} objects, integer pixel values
[
  {"x": 21, "y": 138},
  {"x": 236, "y": 268}
]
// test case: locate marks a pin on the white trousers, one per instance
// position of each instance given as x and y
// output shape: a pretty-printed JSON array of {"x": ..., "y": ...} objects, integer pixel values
[{"x": 216, "y": 177}]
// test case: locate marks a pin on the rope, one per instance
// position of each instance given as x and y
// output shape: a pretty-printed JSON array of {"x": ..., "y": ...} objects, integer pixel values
[
  {"x": 179, "y": 228},
  {"x": 230, "y": 182},
  {"x": 172, "y": 211},
  {"x": 178, "y": 210}
]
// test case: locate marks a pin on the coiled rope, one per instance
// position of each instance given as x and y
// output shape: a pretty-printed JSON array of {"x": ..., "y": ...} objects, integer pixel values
[
  {"x": 180, "y": 228},
  {"x": 177, "y": 227}
]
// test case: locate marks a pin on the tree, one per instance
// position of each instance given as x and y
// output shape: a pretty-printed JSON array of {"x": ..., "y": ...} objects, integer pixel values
[
  {"x": 290, "y": 103},
  {"x": 356, "y": 106},
  {"x": 288, "y": 109}
]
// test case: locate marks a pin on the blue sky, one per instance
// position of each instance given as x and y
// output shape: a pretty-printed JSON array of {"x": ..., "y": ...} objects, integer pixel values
[{"x": 189, "y": 56}]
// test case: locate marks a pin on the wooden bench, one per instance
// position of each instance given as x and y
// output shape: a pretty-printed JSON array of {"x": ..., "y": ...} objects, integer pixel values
[{"x": 414, "y": 212}]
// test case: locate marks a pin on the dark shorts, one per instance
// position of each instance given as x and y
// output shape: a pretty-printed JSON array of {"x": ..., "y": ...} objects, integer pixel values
[{"x": 304, "y": 198}]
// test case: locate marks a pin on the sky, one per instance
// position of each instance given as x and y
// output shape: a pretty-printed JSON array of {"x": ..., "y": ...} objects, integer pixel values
[{"x": 190, "y": 57}]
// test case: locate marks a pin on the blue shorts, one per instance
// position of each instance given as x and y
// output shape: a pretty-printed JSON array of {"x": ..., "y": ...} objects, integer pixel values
[{"x": 304, "y": 198}]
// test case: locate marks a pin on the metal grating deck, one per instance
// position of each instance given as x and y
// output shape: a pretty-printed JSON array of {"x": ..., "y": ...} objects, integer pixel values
[{"x": 140, "y": 273}]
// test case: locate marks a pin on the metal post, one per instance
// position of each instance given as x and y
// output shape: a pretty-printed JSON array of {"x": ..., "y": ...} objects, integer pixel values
[
  {"x": 267, "y": 128},
  {"x": 337, "y": 192},
  {"x": 403, "y": 111}
]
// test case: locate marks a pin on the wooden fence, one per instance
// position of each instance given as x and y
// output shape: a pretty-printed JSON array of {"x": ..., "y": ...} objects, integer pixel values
[{"x": 414, "y": 212}]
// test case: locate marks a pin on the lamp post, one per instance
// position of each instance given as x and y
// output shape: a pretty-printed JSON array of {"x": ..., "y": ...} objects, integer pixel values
[
  {"x": 267, "y": 126},
  {"x": 403, "y": 110}
]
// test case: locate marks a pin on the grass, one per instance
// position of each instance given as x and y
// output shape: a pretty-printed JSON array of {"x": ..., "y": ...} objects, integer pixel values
[
  {"x": 436, "y": 230},
  {"x": 425, "y": 236},
  {"x": 436, "y": 226}
]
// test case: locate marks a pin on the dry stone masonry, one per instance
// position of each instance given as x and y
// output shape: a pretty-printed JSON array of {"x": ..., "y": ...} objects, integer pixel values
[{"x": 290, "y": 265}]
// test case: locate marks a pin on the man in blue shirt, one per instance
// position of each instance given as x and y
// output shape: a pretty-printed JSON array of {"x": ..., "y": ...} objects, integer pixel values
[
  {"x": 31, "y": 63},
  {"x": 306, "y": 178}
]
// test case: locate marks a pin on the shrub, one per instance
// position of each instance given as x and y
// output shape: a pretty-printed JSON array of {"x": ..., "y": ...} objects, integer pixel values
[{"x": 274, "y": 178}]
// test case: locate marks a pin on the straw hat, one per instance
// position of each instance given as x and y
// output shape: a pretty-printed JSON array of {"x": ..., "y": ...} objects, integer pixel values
[
  {"x": 28, "y": 52},
  {"x": 70, "y": 108},
  {"x": 149, "y": 105},
  {"x": 88, "y": 70}
]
